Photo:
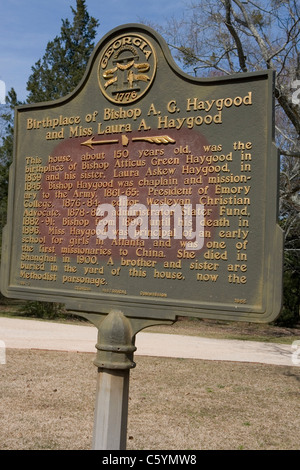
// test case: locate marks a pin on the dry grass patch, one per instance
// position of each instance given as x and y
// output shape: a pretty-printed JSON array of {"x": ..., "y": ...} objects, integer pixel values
[
  {"x": 47, "y": 402},
  {"x": 230, "y": 330}
]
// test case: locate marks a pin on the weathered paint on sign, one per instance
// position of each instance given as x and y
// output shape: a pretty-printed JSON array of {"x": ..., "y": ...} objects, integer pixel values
[{"x": 147, "y": 190}]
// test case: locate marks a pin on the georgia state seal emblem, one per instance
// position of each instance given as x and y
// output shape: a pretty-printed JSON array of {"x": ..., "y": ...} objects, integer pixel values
[{"x": 126, "y": 68}]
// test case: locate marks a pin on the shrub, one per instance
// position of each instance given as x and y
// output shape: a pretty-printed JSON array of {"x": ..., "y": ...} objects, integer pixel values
[{"x": 39, "y": 309}]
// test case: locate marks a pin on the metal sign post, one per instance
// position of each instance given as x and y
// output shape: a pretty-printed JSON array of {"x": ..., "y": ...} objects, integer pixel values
[
  {"x": 114, "y": 359},
  {"x": 111, "y": 411}
]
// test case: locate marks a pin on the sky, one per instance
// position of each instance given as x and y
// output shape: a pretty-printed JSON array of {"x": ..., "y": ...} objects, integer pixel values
[{"x": 27, "y": 26}]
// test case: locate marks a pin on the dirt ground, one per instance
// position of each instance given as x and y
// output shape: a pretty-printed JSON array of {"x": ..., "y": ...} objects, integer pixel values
[
  {"x": 47, "y": 398},
  {"x": 47, "y": 403}
]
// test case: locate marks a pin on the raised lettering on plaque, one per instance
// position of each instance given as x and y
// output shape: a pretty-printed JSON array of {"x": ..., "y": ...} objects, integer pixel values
[{"x": 147, "y": 190}]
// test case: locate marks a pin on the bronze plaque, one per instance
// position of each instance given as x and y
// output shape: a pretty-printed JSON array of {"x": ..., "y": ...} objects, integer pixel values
[{"x": 147, "y": 190}]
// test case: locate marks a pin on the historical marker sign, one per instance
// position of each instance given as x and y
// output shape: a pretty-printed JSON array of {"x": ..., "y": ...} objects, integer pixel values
[{"x": 147, "y": 190}]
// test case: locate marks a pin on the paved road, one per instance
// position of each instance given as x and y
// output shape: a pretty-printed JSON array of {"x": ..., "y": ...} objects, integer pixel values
[{"x": 34, "y": 334}]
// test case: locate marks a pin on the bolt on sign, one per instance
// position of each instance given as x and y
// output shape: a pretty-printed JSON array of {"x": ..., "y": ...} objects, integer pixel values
[{"x": 147, "y": 190}]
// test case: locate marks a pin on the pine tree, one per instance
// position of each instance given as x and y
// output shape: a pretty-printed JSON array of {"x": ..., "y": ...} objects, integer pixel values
[
  {"x": 6, "y": 153},
  {"x": 54, "y": 76},
  {"x": 57, "y": 74},
  {"x": 65, "y": 60}
]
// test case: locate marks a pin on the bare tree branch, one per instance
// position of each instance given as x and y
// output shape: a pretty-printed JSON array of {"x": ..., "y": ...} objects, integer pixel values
[
  {"x": 231, "y": 29},
  {"x": 254, "y": 31},
  {"x": 289, "y": 154}
]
